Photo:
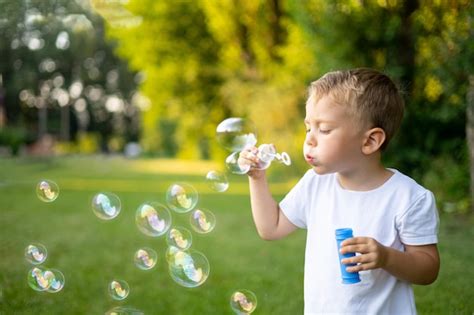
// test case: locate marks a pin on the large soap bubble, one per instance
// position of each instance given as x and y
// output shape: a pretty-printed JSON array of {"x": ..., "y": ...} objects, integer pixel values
[
  {"x": 188, "y": 268},
  {"x": 217, "y": 181},
  {"x": 179, "y": 237},
  {"x": 40, "y": 278},
  {"x": 145, "y": 258},
  {"x": 243, "y": 302},
  {"x": 36, "y": 253},
  {"x": 202, "y": 221},
  {"x": 153, "y": 219},
  {"x": 181, "y": 197},
  {"x": 57, "y": 283},
  {"x": 234, "y": 133},
  {"x": 106, "y": 206}
]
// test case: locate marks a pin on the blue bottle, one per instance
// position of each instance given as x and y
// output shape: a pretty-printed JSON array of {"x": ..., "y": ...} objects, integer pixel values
[{"x": 347, "y": 277}]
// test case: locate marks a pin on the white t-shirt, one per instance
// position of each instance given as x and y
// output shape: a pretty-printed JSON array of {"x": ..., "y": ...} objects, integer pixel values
[{"x": 398, "y": 212}]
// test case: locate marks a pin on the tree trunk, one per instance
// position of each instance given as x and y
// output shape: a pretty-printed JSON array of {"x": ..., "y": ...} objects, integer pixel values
[{"x": 470, "y": 133}]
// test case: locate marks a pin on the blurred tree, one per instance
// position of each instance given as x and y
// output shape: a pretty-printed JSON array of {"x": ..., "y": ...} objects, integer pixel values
[
  {"x": 427, "y": 47},
  {"x": 205, "y": 61},
  {"x": 60, "y": 75},
  {"x": 208, "y": 60}
]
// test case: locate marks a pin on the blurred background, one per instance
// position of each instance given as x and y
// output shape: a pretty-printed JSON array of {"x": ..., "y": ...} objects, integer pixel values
[
  {"x": 154, "y": 78},
  {"x": 148, "y": 80}
]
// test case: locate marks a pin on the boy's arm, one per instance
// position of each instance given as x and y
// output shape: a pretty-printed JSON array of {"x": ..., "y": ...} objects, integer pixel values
[
  {"x": 270, "y": 221},
  {"x": 417, "y": 264}
]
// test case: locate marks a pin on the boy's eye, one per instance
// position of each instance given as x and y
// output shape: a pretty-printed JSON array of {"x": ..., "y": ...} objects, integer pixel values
[{"x": 324, "y": 131}]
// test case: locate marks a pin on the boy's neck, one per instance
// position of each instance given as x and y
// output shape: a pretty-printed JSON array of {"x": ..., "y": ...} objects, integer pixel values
[{"x": 368, "y": 177}]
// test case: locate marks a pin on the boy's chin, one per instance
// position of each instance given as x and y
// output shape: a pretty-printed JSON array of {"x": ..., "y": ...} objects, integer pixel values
[{"x": 320, "y": 170}]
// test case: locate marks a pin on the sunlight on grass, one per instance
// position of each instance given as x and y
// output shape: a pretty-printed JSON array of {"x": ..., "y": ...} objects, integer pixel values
[{"x": 172, "y": 166}]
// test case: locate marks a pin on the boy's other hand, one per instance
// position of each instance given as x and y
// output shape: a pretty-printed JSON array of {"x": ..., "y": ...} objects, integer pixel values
[{"x": 373, "y": 255}]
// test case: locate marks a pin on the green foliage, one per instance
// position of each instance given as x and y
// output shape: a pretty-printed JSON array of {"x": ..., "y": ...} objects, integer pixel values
[
  {"x": 57, "y": 71},
  {"x": 13, "y": 138},
  {"x": 428, "y": 47}
]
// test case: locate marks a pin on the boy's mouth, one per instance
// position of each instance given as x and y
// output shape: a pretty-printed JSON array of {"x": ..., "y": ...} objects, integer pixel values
[{"x": 309, "y": 158}]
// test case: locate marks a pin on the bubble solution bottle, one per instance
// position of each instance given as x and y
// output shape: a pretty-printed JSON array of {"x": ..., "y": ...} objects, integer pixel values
[{"x": 347, "y": 277}]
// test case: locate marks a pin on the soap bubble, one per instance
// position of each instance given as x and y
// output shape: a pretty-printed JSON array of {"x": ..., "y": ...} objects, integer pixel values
[
  {"x": 40, "y": 278},
  {"x": 145, "y": 258},
  {"x": 119, "y": 289},
  {"x": 181, "y": 197},
  {"x": 232, "y": 163},
  {"x": 47, "y": 190},
  {"x": 235, "y": 134},
  {"x": 36, "y": 253},
  {"x": 243, "y": 302},
  {"x": 180, "y": 238},
  {"x": 189, "y": 268},
  {"x": 202, "y": 221},
  {"x": 57, "y": 283},
  {"x": 124, "y": 310},
  {"x": 106, "y": 206},
  {"x": 153, "y": 219},
  {"x": 217, "y": 181},
  {"x": 170, "y": 251}
]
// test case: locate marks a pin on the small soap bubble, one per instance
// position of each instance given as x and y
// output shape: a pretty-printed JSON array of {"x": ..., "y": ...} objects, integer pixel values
[
  {"x": 189, "y": 269},
  {"x": 181, "y": 197},
  {"x": 124, "y": 310},
  {"x": 235, "y": 134},
  {"x": 36, "y": 253},
  {"x": 57, "y": 283},
  {"x": 217, "y": 181},
  {"x": 106, "y": 206},
  {"x": 233, "y": 165},
  {"x": 119, "y": 289},
  {"x": 47, "y": 190},
  {"x": 179, "y": 237},
  {"x": 202, "y": 221},
  {"x": 145, "y": 258},
  {"x": 243, "y": 302},
  {"x": 153, "y": 219},
  {"x": 40, "y": 278}
]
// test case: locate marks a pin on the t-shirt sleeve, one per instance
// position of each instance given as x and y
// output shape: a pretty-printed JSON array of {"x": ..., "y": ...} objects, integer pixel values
[
  {"x": 294, "y": 204},
  {"x": 419, "y": 224}
]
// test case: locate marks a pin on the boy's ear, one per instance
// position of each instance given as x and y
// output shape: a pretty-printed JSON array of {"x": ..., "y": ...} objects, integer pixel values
[{"x": 373, "y": 140}]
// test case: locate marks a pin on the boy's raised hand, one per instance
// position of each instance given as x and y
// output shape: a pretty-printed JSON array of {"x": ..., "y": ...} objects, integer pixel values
[
  {"x": 373, "y": 255},
  {"x": 248, "y": 157}
]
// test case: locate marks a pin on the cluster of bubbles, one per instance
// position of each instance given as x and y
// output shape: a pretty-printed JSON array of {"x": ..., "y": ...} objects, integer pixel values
[
  {"x": 236, "y": 134},
  {"x": 187, "y": 266},
  {"x": 41, "y": 278}
]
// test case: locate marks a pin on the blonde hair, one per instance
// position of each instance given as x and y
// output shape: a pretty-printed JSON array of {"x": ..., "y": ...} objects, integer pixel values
[{"x": 371, "y": 96}]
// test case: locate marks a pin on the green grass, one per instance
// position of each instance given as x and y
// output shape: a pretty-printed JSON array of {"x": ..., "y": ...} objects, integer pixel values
[{"x": 91, "y": 252}]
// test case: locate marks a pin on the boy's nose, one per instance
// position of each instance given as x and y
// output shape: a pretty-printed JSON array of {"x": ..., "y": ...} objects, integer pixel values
[{"x": 310, "y": 139}]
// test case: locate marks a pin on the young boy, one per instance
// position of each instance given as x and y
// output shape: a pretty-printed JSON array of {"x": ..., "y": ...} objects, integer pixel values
[{"x": 351, "y": 116}]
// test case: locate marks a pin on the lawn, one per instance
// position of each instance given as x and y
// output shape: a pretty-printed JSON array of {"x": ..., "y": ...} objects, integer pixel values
[{"x": 91, "y": 252}]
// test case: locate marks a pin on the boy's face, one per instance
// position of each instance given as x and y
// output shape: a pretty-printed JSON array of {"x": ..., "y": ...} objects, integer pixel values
[{"x": 333, "y": 137}]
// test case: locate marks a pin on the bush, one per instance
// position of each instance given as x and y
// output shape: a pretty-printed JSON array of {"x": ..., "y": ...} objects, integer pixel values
[{"x": 13, "y": 137}]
